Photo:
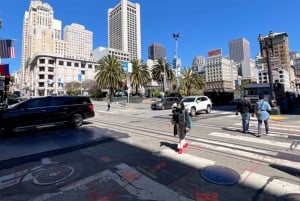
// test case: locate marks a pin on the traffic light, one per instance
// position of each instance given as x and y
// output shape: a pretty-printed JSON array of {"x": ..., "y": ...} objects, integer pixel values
[{"x": 7, "y": 79}]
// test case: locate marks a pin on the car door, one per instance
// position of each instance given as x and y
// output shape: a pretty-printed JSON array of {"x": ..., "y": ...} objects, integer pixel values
[
  {"x": 200, "y": 104},
  {"x": 28, "y": 113}
]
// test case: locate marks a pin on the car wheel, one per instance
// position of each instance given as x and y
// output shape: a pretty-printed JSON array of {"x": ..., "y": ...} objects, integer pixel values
[
  {"x": 193, "y": 111},
  {"x": 208, "y": 109},
  {"x": 77, "y": 120}
]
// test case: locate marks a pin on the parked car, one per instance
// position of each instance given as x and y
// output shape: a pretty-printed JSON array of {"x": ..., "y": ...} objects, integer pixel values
[
  {"x": 164, "y": 103},
  {"x": 39, "y": 111},
  {"x": 196, "y": 104}
]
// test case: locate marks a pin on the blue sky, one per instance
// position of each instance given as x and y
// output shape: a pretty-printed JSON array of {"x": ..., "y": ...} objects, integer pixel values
[{"x": 203, "y": 25}]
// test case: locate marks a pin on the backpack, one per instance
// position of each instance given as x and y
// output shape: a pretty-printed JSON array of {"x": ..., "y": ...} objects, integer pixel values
[{"x": 258, "y": 112}]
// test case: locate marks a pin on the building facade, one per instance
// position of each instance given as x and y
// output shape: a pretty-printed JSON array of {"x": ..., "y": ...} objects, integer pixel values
[
  {"x": 279, "y": 62},
  {"x": 79, "y": 41},
  {"x": 47, "y": 59},
  {"x": 156, "y": 51},
  {"x": 124, "y": 28},
  {"x": 50, "y": 72},
  {"x": 239, "y": 50}
]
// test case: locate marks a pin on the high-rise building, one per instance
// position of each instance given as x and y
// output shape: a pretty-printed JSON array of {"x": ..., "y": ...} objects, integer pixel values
[
  {"x": 156, "y": 51},
  {"x": 41, "y": 33},
  {"x": 124, "y": 28},
  {"x": 239, "y": 50},
  {"x": 47, "y": 60},
  {"x": 79, "y": 41},
  {"x": 279, "y": 63}
]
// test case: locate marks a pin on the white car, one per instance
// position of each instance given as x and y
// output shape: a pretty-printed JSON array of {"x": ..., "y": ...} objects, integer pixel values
[{"x": 196, "y": 104}]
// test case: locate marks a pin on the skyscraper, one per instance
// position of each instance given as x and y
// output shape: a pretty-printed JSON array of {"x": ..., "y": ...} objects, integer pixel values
[
  {"x": 239, "y": 50},
  {"x": 79, "y": 41},
  {"x": 156, "y": 51},
  {"x": 124, "y": 28},
  {"x": 41, "y": 32}
]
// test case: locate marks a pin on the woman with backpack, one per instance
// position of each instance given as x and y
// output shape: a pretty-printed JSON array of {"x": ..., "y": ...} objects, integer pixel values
[{"x": 262, "y": 110}]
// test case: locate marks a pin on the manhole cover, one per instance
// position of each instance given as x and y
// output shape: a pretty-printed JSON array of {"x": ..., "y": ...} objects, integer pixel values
[
  {"x": 220, "y": 175},
  {"x": 290, "y": 197},
  {"x": 53, "y": 175}
]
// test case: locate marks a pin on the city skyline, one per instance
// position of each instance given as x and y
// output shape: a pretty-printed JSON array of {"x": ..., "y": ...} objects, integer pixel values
[{"x": 203, "y": 26}]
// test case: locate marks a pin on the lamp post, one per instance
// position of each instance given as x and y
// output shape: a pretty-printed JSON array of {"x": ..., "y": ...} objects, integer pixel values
[
  {"x": 267, "y": 50},
  {"x": 176, "y": 36}
]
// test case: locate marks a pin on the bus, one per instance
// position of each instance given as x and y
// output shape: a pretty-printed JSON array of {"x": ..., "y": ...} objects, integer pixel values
[{"x": 253, "y": 90}]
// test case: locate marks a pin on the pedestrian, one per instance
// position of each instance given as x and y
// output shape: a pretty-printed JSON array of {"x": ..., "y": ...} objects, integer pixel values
[
  {"x": 244, "y": 108},
  {"x": 262, "y": 110},
  {"x": 108, "y": 102},
  {"x": 182, "y": 124}
]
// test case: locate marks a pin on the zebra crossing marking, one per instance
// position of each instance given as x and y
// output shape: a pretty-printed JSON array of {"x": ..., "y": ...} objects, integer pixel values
[{"x": 251, "y": 139}]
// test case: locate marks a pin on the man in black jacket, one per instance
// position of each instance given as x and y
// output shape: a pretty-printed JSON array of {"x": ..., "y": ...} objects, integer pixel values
[{"x": 244, "y": 108}]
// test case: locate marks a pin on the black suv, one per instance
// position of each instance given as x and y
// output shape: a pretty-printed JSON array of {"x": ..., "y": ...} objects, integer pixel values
[
  {"x": 164, "y": 103},
  {"x": 40, "y": 111}
]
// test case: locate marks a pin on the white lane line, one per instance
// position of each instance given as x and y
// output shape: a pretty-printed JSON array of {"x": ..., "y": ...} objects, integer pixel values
[
  {"x": 282, "y": 127},
  {"x": 245, "y": 154},
  {"x": 187, "y": 159},
  {"x": 270, "y": 185},
  {"x": 251, "y": 139},
  {"x": 235, "y": 147}
]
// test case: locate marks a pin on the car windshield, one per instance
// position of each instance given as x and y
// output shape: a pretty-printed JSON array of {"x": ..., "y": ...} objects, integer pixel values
[{"x": 188, "y": 99}]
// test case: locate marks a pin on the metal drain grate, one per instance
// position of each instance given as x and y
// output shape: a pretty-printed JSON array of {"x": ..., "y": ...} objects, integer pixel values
[{"x": 220, "y": 175}]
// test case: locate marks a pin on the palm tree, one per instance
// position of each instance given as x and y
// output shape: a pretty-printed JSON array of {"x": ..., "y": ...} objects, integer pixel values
[
  {"x": 190, "y": 79},
  {"x": 139, "y": 75},
  {"x": 110, "y": 73},
  {"x": 162, "y": 66}
]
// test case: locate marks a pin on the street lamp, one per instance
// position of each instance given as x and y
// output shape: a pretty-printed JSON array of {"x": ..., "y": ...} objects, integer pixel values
[
  {"x": 176, "y": 36},
  {"x": 267, "y": 50}
]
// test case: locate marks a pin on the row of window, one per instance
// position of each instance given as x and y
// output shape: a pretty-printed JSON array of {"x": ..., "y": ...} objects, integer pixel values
[{"x": 67, "y": 63}]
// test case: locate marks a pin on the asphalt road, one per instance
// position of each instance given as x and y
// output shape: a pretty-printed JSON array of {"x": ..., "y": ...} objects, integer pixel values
[{"x": 129, "y": 153}]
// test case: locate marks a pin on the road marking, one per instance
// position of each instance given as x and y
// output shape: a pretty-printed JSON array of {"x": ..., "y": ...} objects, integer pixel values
[
  {"x": 133, "y": 181},
  {"x": 271, "y": 185},
  {"x": 187, "y": 159},
  {"x": 251, "y": 139}
]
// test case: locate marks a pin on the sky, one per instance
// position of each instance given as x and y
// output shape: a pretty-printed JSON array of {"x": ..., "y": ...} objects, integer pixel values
[{"x": 202, "y": 25}]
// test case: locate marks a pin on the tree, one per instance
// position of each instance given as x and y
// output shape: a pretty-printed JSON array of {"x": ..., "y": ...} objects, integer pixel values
[
  {"x": 190, "y": 80},
  {"x": 162, "y": 66},
  {"x": 109, "y": 73},
  {"x": 140, "y": 74}
]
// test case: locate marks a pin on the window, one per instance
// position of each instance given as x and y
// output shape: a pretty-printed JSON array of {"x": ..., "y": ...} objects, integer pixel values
[
  {"x": 42, "y": 61},
  {"x": 50, "y": 69},
  {"x": 50, "y": 61},
  {"x": 69, "y": 63},
  {"x": 60, "y": 62}
]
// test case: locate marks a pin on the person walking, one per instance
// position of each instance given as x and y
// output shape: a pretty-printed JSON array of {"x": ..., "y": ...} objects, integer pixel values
[
  {"x": 182, "y": 124},
  {"x": 262, "y": 109},
  {"x": 244, "y": 108},
  {"x": 108, "y": 102}
]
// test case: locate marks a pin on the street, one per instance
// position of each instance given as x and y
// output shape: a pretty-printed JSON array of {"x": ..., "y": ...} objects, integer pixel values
[{"x": 128, "y": 153}]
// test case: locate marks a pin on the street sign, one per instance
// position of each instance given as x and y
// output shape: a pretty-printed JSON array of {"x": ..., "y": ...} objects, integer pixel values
[{"x": 79, "y": 77}]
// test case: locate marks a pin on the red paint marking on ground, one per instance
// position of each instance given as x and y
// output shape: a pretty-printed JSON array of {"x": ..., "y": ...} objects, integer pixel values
[
  {"x": 251, "y": 170},
  {"x": 159, "y": 166},
  {"x": 105, "y": 159},
  {"x": 206, "y": 196},
  {"x": 103, "y": 199},
  {"x": 92, "y": 196},
  {"x": 91, "y": 184},
  {"x": 129, "y": 176}
]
